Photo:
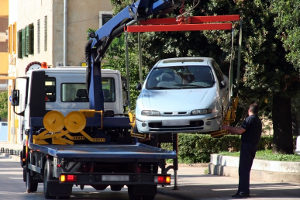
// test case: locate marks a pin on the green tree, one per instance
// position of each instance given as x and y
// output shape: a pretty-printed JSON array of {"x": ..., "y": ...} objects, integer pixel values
[
  {"x": 115, "y": 59},
  {"x": 264, "y": 66},
  {"x": 287, "y": 22},
  {"x": 3, "y": 105}
]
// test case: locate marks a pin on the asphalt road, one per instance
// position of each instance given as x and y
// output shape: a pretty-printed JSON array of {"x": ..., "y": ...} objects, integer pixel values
[{"x": 193, "y": 185}]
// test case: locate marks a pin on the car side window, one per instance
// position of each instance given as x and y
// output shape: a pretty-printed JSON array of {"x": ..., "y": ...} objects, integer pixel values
[{"x": 218, "y": 72}]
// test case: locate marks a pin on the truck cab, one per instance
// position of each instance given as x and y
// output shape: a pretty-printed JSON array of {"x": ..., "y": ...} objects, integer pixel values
[
  {"x": 62, "y": 139},
  {"x": 64, "y": 89}
]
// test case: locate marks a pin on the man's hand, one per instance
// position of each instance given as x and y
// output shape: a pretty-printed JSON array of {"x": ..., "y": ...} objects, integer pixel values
[{"x": 234, "y": 130}]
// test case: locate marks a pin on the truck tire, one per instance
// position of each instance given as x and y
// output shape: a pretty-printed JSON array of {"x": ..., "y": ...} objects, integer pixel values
[
  {"x": 116, "y": 187},
  {"x": 52, "y": 188},
  {"x": 24, "y": 174},
  {"x": 47, "y": 178},
  {"x": 31, "y": 184},
  {"x": 142, "y": 192}
]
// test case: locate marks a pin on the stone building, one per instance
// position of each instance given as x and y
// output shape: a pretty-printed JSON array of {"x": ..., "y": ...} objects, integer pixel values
[{"x": 52, "y": 31}]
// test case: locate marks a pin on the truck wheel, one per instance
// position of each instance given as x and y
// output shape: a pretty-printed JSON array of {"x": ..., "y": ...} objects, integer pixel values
[
  {"x": 47, "y": 177},
  {"x": 116, "y": 187},
  {"x": 142, "y": 192},
  {"x": 24, "y": 174},
  {"x": 52, "y": 188},
  {"x": 31, "y": 184}
]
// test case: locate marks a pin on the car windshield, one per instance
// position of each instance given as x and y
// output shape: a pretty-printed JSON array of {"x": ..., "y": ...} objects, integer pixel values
[{"x": 180, "y": 77}]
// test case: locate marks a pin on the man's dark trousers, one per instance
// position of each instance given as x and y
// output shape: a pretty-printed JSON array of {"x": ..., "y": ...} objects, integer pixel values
[{"x": 246, "y": 159}]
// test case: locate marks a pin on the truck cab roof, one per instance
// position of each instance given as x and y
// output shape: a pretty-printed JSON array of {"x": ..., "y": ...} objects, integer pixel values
[{"x": 73, "y": 69}]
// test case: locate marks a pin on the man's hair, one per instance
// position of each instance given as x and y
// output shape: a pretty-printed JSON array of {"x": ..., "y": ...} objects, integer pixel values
[{"x": 253, "y": 108}]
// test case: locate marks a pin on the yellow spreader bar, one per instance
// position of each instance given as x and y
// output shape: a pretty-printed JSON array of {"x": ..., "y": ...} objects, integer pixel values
[{"x": 60, "y": 129}]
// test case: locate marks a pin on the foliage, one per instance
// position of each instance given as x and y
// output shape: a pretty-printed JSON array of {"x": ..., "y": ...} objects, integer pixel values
[
  {"x": 264, "y": 65},
  {"x": 287, "y": 22},
  {"x": 115, "y": 59},
  {"x": 3, "y": 105},
  {"x": 195, "y": 148},
  {"x": 261, "y": 76}
]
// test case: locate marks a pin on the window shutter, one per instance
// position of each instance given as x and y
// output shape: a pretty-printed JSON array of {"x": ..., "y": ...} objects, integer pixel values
[
  {"x": 23, "y": 42},
  {"x": 31, "y": 39},
  {"x": 26, "y": 40},
  {"x": 14, "y": 37},
  {"x": 38, "y": 36},
  {"x": 20, "y": 44},
  {"x": 45, "y": 33}
]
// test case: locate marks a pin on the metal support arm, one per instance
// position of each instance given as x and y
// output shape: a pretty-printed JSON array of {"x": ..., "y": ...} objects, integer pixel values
[{"x": 101, "y": 39}]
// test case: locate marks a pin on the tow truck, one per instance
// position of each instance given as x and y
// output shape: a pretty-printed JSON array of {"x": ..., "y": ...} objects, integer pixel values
[{"x": 74, "y": 138}]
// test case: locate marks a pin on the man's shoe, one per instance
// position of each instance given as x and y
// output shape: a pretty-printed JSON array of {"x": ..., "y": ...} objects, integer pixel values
[{"x": 241, "y": 195}]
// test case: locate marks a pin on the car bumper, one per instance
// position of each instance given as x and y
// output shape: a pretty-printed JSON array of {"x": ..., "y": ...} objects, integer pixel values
[{"x": 178, "y": 124}]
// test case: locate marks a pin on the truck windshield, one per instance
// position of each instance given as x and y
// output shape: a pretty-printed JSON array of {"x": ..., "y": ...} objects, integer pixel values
[
  {"x": 77, "y": 92},
  {"x": 180, "y": 77}
]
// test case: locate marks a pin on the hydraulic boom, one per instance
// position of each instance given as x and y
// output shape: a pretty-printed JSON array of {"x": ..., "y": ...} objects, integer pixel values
[{"x": 101, "y": 39}]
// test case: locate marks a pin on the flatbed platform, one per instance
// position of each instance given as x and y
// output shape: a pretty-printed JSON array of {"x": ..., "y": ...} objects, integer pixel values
[{"x": 104, "y": 151}]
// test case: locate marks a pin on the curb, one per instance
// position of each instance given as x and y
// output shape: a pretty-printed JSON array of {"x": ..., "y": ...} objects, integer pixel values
[{"x": 262, "y": 170}]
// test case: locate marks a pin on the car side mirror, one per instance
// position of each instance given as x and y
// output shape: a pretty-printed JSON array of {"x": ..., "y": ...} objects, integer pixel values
[
  {"x": 138, "y": 86},
  {"x": 15, "y": 97}
]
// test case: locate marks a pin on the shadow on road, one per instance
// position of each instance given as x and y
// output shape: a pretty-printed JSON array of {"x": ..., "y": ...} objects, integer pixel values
[{"x": 225, "y": 191}]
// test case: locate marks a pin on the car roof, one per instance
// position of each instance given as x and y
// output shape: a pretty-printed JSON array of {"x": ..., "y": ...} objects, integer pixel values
[{"x": 181, "y": 61}]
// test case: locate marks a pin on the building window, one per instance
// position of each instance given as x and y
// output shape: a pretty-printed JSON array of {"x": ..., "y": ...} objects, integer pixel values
[
  {"x": 45, "y": 33},
  {"x": 26, "y": 41},
  {"x": 29, "y": 30},
  {"x": 38, "y": 36},
  {"x": 104, "y": 16},
  {"x": 3, "y": 34}
]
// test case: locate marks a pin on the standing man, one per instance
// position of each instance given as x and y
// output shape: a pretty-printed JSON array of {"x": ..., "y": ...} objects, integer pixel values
[{"x": 251, "y": 132}]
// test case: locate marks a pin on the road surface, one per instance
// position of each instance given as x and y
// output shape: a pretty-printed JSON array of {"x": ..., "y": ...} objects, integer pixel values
[{"x": 194, "y": 184}]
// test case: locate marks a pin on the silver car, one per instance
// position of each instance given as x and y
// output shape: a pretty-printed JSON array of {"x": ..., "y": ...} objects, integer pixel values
[{"x": 187, "y": 94}]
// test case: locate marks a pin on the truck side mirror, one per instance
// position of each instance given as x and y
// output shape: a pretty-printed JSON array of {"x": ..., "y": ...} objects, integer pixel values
[
  {"x": 138, "y": 86},
  {"x": 222, "y": 84},
  {"x": 15, "y": 98}
]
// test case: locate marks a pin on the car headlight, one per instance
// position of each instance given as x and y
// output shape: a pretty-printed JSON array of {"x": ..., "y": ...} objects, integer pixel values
[
  {"x": 201, "y": 111},
  {"x": 150, "y": 112}
]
